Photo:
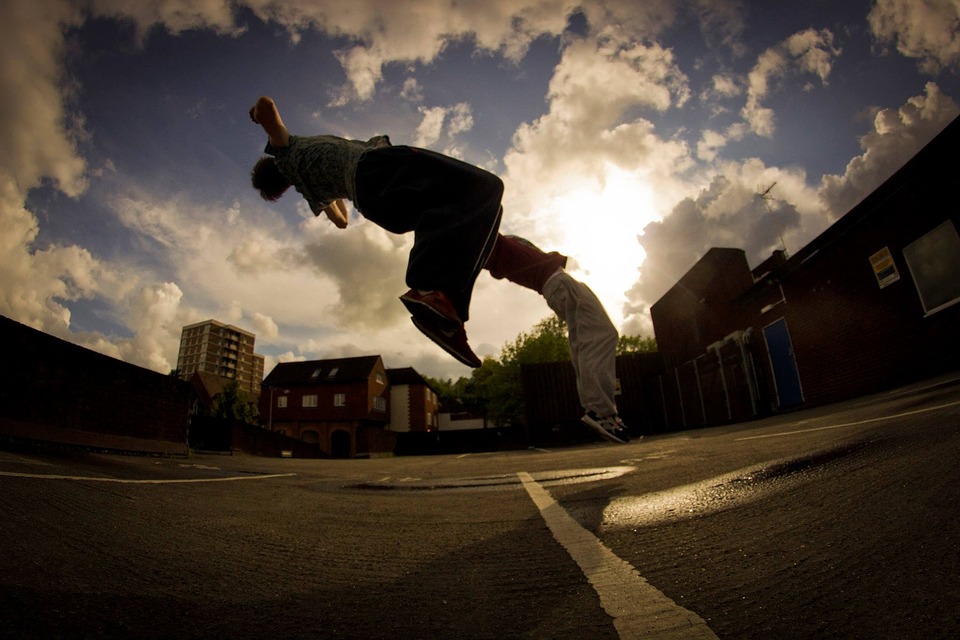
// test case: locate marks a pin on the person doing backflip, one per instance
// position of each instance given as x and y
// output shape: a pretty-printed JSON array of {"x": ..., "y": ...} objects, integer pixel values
[{"x": 454, "y": 211}]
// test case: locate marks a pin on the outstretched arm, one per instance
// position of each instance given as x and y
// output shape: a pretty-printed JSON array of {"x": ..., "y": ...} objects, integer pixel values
[{"x": 266, "y": 114}]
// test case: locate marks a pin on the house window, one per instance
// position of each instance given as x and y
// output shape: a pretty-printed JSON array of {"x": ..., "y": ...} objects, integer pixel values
[
  {"x": 380, "y": 378},
  {"x": 310, "y": 401},
  {"x": 282, "y": 402},
  {"x": 934, "y": 262},
  {"x": 333, "y": 372},
  {"x": 339, "y": 399},
  {"x": 379, "y": 403}
]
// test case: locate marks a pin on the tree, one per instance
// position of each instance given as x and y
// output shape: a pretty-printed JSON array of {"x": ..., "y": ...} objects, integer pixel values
[
  {"x": 495, "y": 389},
  {"x": 229, "y": 405},
  {"x": 497, "y": 386},
  {"x": 636, "y": 344}
]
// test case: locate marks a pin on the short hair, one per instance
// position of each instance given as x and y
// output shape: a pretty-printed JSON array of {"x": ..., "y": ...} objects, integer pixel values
[{"x": 268, "y": 180}]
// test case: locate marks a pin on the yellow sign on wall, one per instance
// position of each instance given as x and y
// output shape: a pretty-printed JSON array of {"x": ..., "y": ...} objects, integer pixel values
[{"x": 884, "y": 267}]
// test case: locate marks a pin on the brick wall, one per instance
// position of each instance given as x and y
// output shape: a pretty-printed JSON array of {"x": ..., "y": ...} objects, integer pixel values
[{"x": 56, "y": 391}]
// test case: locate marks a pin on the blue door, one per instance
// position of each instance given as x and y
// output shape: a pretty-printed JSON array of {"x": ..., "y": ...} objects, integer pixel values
[{"x": 784, "y": 364}]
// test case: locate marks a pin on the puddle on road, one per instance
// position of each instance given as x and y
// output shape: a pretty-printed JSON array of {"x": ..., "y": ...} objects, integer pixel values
[
  {"x": 505, "y": 481},
  {"x": 718, "y": 493}
]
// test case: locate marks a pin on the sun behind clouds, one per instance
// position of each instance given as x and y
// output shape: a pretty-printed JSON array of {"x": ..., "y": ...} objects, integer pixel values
[{"x": 597, "y": 225}]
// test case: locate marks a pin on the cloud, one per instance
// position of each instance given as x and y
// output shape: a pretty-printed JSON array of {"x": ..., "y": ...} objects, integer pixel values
[
  {"x": 809, "y": 51},
  {"x": 456, "y": 120},
  {"x": 585, "y": 129},
  {"x": 264, "y": 326},
  {"x": 366, "y": 264},
  {"x": 897, "y": 135},
  {"x": 728, "y": 212},
  {"x": 428, "y": 132},
  {"x": 580, "y": 179},
  {"x": 922, "y": 30},
  {"x": 412, "y": 90},
  {"x": 722, "y": 22},
  {"x": 154, "y": 316},
  {"x": 381, "y": 33},
  {"x": 39, "y": 136},
  {"x": 176, "y": 16}
]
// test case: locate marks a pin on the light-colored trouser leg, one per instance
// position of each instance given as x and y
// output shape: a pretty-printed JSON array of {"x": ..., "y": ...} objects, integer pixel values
[{"x": 593, "y": 340}]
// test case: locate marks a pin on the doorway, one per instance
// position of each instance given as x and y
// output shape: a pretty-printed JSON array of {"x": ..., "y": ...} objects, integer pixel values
[
  {"x": 340, "y": 444},
  {"x": 783, "y": 362}
]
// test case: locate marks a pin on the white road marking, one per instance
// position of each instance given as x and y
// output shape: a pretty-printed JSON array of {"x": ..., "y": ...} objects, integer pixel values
[
  {"x": 851, "y": 424},
  {"x": 50, "y": 476},
  {"x": 638, "y": 609}
]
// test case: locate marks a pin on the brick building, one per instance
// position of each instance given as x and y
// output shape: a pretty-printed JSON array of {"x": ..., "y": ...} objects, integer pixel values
[
  {"x": 340, "y": 404},
  {"x": 869, "y": 304},
  {"x": 220, "y": 349},
  {"x": 414, "y": 406}
]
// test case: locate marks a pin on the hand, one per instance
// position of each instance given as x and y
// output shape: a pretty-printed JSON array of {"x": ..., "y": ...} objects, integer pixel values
[
  {"x": 253, "y": 114},
  {"x": 337, "y": 214}
]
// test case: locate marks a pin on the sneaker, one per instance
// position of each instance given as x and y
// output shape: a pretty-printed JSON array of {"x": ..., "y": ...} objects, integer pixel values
[
  {"x": 609, "y": 427},
  {"x": 453, "y": 342},
  {"x": 433, "y": 309}
]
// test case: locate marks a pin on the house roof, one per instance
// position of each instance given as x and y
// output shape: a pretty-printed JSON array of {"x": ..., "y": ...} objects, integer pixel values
[
  {"x": 318, "y": 372},
  {"x": 931, "y": 163},
  {"x": 405, "y": 375},
  {"x": 210, "y": 385}
]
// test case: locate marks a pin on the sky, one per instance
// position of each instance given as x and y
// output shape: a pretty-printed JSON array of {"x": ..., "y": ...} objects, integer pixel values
[{"x": 630, "y": 136}]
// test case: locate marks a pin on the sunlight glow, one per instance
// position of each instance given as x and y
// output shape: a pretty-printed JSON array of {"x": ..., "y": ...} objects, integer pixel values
[{"x": 598, "y": 226}]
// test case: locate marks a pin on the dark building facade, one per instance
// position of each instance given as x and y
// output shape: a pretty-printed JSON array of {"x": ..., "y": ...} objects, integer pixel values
[
  {"x": 869, "y": 304},
  {"x": 59, "y": 392}
]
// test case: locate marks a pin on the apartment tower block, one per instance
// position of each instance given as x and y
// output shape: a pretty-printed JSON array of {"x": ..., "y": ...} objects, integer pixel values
[{"x": 223, "y": 350}]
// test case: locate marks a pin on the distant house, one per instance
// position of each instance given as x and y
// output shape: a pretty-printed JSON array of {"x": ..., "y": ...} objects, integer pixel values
[
  {"x": 414, "y": 405},
  {"x": 340, "y": 404}
]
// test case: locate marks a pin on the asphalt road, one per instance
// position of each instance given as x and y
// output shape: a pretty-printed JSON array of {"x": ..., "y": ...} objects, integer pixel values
[{"x": 838, "y": 522}]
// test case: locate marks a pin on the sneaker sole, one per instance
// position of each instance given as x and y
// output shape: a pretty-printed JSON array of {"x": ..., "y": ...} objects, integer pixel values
[
  {"x": 427, "y": 331},
  {"x": 606, "y": 435},
  {"x": 429, "y": 317}
]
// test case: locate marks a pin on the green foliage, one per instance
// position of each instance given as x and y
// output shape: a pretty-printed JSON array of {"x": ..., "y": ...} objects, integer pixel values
[
  {"x": 494, "y": 390},
  {"x": 636, "y": 344},
  {"x": 497, "y": 385},
  {"x": 230, "y": 405}
]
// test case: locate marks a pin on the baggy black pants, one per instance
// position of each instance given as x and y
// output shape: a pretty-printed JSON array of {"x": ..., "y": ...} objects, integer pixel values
[{"x": 453, "y": 209}]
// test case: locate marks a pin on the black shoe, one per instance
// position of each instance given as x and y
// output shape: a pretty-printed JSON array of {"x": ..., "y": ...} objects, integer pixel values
[{"x": 609, "y": 427}]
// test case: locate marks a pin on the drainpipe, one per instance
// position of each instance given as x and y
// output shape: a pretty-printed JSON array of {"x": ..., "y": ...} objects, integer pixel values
[
  {"x": 703, "y": 406},
  {"x": 683, "y": 412},
  {"x": 723, "y": 376},
  {"x": 743, "y": 338}
]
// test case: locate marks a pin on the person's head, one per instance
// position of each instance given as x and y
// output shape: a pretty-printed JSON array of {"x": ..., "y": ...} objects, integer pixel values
[{"x": 268, "y": 180}]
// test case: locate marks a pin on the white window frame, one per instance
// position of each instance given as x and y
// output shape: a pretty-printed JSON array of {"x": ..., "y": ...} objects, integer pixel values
[
  {"x": 937, "y": 270},
  {"x": 281, "y": 402},
  {"x": 310, "y": 401},
  {"x": 339, "y": 399}
]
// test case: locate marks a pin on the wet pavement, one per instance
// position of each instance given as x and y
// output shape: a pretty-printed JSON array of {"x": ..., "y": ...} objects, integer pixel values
[{"x": 837, "y": 522}]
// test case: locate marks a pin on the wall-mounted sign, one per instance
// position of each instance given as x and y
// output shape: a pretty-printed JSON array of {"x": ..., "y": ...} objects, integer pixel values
[{"x": 884, "y": 267}]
